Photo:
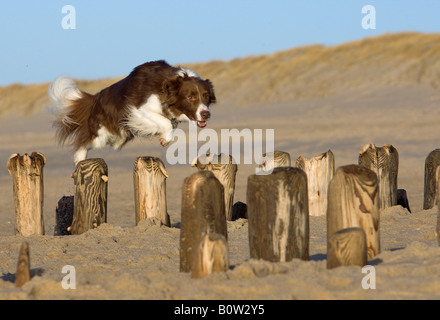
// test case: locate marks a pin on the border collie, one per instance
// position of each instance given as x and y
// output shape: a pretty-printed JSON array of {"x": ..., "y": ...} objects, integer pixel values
[{"x": 150, "y": 101}]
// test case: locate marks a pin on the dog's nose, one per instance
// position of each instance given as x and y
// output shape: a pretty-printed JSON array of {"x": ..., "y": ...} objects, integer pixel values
[{"x": 205, "y": 115}]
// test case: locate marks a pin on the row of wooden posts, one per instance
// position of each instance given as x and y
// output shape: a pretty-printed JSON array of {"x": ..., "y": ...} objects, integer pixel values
[{"x": 278, "y": 204}]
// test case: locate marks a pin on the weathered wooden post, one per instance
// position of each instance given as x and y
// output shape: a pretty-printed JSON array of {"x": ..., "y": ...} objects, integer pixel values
[
  {"x": 90, "y": 200},
  {"x": 347, "y": 247},
  {"x": 353, "y": 202},
  {"x": 275, "y": 159},
  {"x": 210, "y": 256},
  {"x": 28, "y": 188},
  {"x": 402, "y": 199},
  {"x": 23, "y": 273},
  {"x": 432, "y": 178},
  {"x": 239, "y": 211},
  {"x": 149, "y": 177},
  {"x": 384, "y": 161},
  {"x": 438, "y": 225},
  {"x": 320, "y": 170},
  {"x": 278, "y": 215},
  {"x": 203, "y": 213},
  {"x": 63, "y": 216},
  {"x": 225, "y": 170}
]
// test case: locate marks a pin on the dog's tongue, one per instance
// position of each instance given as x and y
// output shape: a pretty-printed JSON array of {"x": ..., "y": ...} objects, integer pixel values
[{"x": 201, "y": 124}]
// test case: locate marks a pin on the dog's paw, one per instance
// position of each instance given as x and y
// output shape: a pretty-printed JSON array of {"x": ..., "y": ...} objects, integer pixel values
[{"x": 163, "y": 142}]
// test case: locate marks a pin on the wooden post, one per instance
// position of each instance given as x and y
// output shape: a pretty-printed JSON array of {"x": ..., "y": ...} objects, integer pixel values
[
  {"x": 28, "y": 187},
  {"x": 347, "y": 247},
  {"x": 225, "y": 170},
  {"x": 278, "y": 215},
  {"x": 432, "y": 178},
  {"x": 384, "y": 161},
  {"x": 274, "y": 160},
  {"x": 211, "y": 256},
  {"x": 437, "y": 229},
  {"x": 402, "y": 199},
  {"x": 438, "y": 225},
  {"x": 63, "y": 216},
  {"x": 149, "y": 177},
  {"x": 320, "y": 171},
  {"x": 90, "y": 200},
  {"x": 352, "y": 202},
  {"x": 203, "y": 212},
  {"x": 23, "y": 273},
  {"x": 239, "y": 211}
]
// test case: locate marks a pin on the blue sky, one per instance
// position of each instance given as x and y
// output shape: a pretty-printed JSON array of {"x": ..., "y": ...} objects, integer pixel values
[{"x": 112, "y": 37}]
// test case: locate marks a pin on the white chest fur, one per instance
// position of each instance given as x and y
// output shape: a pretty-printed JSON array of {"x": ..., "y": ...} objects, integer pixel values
[{"x": 148, "y": 119}]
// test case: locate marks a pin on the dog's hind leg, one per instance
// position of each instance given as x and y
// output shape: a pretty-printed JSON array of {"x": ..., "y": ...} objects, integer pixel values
[{"x": 80, "y": 155}]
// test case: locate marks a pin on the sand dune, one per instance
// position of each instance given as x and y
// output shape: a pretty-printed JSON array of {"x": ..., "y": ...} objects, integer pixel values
[
  {"x": 379, "y": 90},
  {"x": 395, "y": 60}
]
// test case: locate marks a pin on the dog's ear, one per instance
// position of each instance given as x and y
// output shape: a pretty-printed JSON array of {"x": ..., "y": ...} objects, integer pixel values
[
  {"x": 170, "y": 89},
  {"x": 212, "y": 98}
]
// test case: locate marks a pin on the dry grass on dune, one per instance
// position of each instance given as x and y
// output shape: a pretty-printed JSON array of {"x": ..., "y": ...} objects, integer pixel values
[
  {"x": 402, "y": 59},
  {"x": 27, "y": 99},
  {"x": 21, "y": 99},
  {"x": 317, "y": 71}
]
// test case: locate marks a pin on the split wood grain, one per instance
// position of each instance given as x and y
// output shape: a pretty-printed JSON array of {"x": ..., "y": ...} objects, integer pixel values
[
  {"x": 276, "y": 159},
  {"x": 225, "y": 170},
  {"x": 353, "y": 202},
  {"x": 203, "y": 213},
  {"x": 28, "y": 190},
  {"x": 90, "y": 200},
  {"x": 384, "y": 161},
  {"x": 149, "y": 176},
  {"x": 320, "y": 170},
  {"x": 278, "y": 215}
]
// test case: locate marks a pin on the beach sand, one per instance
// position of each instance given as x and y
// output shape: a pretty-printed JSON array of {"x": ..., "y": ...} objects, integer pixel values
[{"x": 119, "y": 260}]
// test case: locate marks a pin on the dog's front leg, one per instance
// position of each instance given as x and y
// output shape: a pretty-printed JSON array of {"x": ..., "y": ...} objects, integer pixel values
[{"x": 167, "y": 137}]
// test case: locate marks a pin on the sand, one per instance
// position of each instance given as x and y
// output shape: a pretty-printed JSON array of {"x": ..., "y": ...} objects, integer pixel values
[{"x": 119, "y": 260}]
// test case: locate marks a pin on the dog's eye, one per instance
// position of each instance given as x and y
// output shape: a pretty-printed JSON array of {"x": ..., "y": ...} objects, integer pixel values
[{"x": 192, "y": 98}]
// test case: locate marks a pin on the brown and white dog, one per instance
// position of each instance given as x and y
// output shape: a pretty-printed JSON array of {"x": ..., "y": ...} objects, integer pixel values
[{"x": 150, "y": 101}]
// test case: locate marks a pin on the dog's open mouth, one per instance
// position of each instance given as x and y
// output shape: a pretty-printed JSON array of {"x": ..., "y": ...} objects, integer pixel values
[{"x": 201, "y": 124}]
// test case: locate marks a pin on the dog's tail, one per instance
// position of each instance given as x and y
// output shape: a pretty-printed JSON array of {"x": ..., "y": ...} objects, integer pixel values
[{"x": 71, "y": 108}]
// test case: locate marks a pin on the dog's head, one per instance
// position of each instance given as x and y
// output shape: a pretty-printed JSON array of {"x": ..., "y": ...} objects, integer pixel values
[{"x": 189, "y": 97}]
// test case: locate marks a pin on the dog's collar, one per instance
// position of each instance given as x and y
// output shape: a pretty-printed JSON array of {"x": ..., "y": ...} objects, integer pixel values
[{"x": 174, "y": 122}]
